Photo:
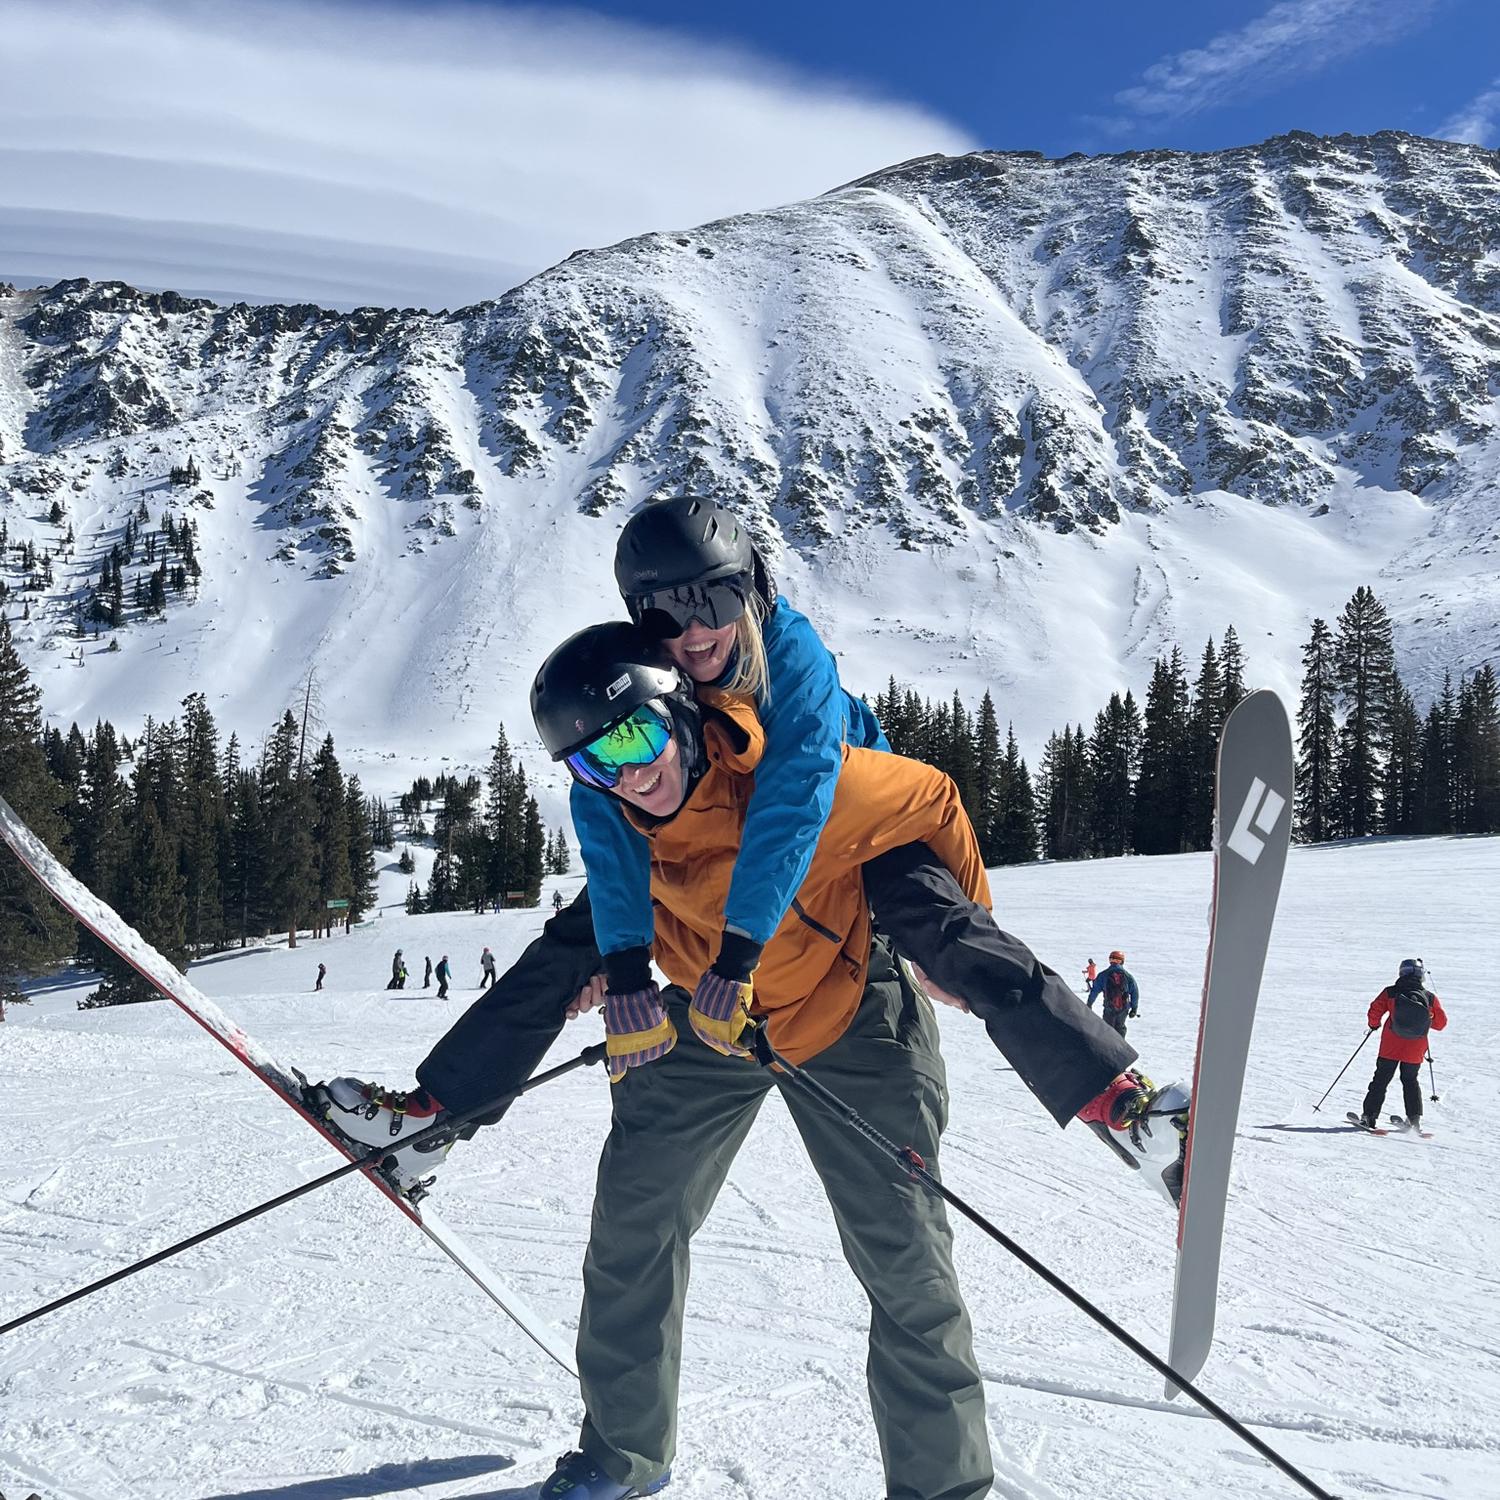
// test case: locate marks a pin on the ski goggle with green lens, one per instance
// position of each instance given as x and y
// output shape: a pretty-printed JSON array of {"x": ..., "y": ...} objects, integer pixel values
[
  {"x": 636, "y": 741},
  {"x": 714, "y": 604}
]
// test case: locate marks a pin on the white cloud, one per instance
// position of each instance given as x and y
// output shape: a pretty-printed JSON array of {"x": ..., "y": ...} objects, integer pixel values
[
  {"x": 443, "y": 154},
  {"x": 1477, "y": 122},
  {"x": 1295, "y": 39}
]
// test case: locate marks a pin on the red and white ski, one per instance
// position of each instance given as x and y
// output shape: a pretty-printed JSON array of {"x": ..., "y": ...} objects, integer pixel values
[{"x": 115, "y": 933}]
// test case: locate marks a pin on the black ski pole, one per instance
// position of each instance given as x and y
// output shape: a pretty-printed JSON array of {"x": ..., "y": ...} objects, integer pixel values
[
  {"x": 374, "y": 1159},
  {"x": 905, "y": 1157},
  {"x": 1432, "y": 1079},
  {"x": 1365, "y": 1038}
]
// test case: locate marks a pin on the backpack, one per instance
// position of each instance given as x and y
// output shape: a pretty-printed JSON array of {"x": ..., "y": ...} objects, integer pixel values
[
  {"x": 1116, "y": 991},
  {"x": 1411, "y": 1013}
]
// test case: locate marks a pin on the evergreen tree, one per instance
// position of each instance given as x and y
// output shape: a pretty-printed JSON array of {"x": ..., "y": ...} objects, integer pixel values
[
  {"x": 1161, "y": 793},
  {"x": 532, "y": 841},
  {"x": 35, "y": 932},
  {"x": 459, "y": 873},
  {"x": 152, "y": 897},
  {"x": 1484, "y": 729},
  {"x": 286, "y": 810},
  {"x": 1232, "y": 671},
  {"x": 157, "y": 777},
  {"x": 984, "y": 808},
  {"x": 1317, "y": 812},
  {"x": 1205, "y": 721},
  {"x": 1016, "y": 820},
  {"x": 331, "y": 833},
  {"x": 1475, "y": 746},
  {"x": 65, "y": 756},
  {"x": 1401, "y": 784},
  {"x": 501, "y": 818},
  {"x": 1111, "y": 751},
  {"x": 517, "y": 870},
  {"x": 155, "y": 903},
  {"x": 102, "y": 827},
  {"x": 1435, "y": 795},
  {"x": 382, "y": 825},
  {"x": 961, "y": 752},
  {"x": 1065, "y": 795},
  {"x": 203, "y": 824},
  {"x": 1364, "y": 665},
  {"x": 361, "y": 817}
]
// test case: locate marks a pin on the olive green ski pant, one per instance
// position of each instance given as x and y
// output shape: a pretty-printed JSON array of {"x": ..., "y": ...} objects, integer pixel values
[{"x": 677, "y": 1124}]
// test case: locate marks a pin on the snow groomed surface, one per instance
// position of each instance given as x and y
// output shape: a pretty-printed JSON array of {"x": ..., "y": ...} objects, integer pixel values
[
  {"x": 331, "y": 1354},
  {"x": 109, "y": 928}
]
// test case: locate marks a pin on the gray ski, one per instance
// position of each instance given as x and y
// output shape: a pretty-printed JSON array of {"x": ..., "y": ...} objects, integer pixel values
[{"x": 1252, "y": 829}]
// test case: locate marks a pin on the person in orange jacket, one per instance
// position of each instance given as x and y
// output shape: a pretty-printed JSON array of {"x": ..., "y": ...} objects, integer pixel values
[
  {"x": 685, "y": 1088},
  {"x": 829, "y": 990},
  {"x": 1410, "y": 1010}
]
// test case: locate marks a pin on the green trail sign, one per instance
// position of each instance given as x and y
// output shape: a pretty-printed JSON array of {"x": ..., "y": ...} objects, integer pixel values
[{"x": 337, "y": 905}]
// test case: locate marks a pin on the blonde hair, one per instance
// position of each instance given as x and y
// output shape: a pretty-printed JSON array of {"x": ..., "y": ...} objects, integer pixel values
[{"x": 751, "y": 677}]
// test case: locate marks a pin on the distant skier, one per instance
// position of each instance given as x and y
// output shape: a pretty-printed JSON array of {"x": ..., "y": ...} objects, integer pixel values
[
  {"x": 322, "y": 972},
  {"x": 398, "y": 972},
  {"x": 1118, "y": 988},
  {"x": 1410, "y": 1010},
  {"x": 443, "y": 975},
  {"x": 1090, "y": 973},
  {"x": 486, "y": 969},
  {"x": 557, "y": 901},
  {"x": 427, "y": 976}
]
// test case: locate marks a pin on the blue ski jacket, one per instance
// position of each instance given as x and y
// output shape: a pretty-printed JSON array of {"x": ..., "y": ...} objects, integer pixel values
[{"x": 808, "y": 720}]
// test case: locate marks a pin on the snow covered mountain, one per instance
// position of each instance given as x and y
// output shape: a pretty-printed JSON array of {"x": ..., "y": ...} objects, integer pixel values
[{"x": 1002, "y": 422}]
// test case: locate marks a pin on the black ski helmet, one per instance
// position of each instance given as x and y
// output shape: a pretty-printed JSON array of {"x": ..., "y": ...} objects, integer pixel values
[
  {"x": 673, "y": 542},
  {"x": 598, "y": 678}
]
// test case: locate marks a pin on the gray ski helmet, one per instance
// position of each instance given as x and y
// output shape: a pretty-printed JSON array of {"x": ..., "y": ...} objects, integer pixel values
[
  {"x": 672, "y": 542},
  {"x": 1412, "y": 967},
  {"x": 596, "y": 679}
]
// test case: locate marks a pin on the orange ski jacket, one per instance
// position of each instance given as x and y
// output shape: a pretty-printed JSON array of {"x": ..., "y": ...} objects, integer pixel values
[{"x": 811, "y": 974}]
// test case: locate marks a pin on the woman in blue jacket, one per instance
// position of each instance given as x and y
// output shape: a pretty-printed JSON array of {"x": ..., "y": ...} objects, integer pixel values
[{"x": 690, "y": 577}]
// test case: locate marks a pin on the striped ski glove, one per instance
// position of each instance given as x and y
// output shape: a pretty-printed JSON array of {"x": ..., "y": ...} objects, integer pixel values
[
  {"x": 721, "y": 1003},
  {"x": 637, "y": 1030},
  {"x": 719, "y": 1011}
]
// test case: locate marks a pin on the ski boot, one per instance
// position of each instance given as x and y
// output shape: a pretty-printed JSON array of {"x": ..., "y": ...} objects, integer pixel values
[
  {"x": 578, "y": 1477},
  {"x": 367, "y": 1115},
  {"x": 1146, "y": 1127}
]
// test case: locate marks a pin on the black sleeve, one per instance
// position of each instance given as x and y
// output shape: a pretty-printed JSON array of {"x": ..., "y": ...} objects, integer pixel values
[
  {"x": 498, "y": 1042},
  {"x": 1063, "y": 1052}
]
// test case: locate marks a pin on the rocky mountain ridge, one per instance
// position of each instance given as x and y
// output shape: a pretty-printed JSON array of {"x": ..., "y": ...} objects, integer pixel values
[{"x": 953, "y": 384}]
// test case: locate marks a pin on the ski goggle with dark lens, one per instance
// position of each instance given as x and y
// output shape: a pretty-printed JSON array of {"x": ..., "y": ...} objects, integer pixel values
[
  {"x": 721, "y": 602},
  {"x": 636, "y": 741}
]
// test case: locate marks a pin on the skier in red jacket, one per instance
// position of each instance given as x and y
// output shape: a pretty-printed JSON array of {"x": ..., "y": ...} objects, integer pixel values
[{"x": 1410, "y": 1010}]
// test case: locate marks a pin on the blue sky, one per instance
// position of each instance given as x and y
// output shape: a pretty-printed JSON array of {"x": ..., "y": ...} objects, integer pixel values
[
  {"x": 436, "y": 152},
  {"x": 1050, "y": 77}
]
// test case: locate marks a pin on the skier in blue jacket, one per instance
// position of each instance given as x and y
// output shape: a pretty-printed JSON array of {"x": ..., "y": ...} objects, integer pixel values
[
  {"x": 1117, "y": 991},
  {"x": 691, "y": 577}
]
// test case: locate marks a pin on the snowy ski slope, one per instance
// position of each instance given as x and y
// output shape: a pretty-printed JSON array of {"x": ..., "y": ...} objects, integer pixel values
[{"x": 326, "y": 1352}]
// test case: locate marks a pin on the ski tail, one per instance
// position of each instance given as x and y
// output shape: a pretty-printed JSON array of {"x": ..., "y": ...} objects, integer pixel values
[{"x": 115, "y": 933}]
